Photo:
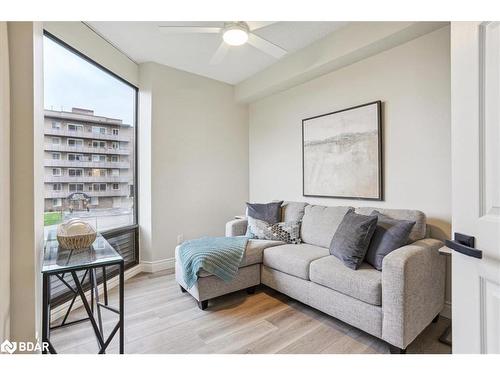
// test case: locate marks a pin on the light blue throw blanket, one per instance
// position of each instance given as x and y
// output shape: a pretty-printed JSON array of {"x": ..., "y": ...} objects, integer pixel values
[{"x": 220, "y": 256}]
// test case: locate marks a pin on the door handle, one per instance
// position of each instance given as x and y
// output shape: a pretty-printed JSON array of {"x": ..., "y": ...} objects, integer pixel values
[{"x": 465, "y": 245}]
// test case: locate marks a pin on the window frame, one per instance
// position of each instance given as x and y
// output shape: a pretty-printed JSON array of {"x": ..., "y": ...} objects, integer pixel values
[
  {"x": 133, "y": 229},
  {"x": 76, "y": 185},
  {"x": 75, "y": 174},
  {"x": 78, "y": 127},
  {"x": 76, "y": 145}
]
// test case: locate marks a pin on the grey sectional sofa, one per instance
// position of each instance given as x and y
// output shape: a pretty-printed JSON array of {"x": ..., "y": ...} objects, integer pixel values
[{"x": 394, "y": 304}]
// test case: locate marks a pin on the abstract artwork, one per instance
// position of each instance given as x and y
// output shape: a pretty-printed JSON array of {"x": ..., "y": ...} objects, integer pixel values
[{"x": 342, "y": 153}]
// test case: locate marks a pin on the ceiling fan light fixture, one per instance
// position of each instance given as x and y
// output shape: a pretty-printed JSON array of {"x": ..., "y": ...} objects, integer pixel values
[{"x": 235, "y": 35}]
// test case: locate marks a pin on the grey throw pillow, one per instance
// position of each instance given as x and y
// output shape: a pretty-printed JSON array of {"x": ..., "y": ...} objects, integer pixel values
[
  {"x": 389, "y": 235},
  {"x": 352, "y": 238},
  {"x": 268, "y": 212}
]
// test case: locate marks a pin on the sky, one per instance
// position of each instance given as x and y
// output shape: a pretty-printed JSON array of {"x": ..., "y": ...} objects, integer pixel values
[{"x": 70, "y": 81}]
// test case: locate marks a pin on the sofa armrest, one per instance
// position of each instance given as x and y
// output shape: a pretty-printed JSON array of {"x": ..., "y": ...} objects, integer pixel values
[
  {"x": 236, "y": 227},
  {"x": 413, "y": 287}
]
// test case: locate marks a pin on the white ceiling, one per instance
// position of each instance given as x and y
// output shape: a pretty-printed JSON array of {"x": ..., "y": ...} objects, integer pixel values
[{"x": 144, "y": 42}]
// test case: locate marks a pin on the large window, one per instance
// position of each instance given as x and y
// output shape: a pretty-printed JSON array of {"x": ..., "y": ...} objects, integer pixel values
[{"x": 90, "y": 125}]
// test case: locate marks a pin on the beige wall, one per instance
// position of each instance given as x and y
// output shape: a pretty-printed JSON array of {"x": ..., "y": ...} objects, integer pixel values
[
  {"x": 413, "y": 82},
  {"x": 26, "y": 182},
  {"x": 199, "y": 156},
  {"x": 4, "y": 185}
]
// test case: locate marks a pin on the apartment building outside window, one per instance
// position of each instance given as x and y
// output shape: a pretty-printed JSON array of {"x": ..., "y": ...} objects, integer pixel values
[
  {"x": 99, "y": 144},
  {"x": 75, "y": 187},
  {"x": 75, "y": 172},
  {"x": 75, "y": 127},
  {"x": 75, "y": 142},
  {"x": 98, "y": 130},
  {"x": 77, "y": 157},
  {"x": 93, "y": 134},
  {"x": 99, "y": 158}
]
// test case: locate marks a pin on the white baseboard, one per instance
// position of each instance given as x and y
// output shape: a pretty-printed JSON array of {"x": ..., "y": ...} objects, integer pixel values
[
  {"x": 446, "y": 312},
  {"x": 60, "y": 311},
  {"x": 158, "y": 265}
]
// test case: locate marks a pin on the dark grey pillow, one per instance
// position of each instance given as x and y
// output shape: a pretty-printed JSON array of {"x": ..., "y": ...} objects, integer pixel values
[
  {"x": 268, "y": 212},
  {"x": 351, "y": 240},
  {"x": 389, "y": 235}
]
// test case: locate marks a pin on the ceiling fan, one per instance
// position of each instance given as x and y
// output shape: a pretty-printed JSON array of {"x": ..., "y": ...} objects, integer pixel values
[{"x": 233, "y": 34}]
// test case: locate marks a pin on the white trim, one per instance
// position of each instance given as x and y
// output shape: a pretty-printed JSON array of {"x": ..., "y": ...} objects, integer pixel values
[
  {"x": 59, "y": 311},
  {"x": 446, "y": 311},
  {"x": 158, "y": 265}
]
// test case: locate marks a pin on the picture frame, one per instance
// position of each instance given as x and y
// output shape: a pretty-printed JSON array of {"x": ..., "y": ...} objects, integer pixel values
[{"x": 342, "y": 154}]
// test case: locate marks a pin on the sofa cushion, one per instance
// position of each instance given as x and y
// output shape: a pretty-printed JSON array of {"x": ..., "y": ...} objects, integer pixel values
[
  {"x": 419, "y": 229},
  {"x": 254, "y": 251},
  {"x": 293, "y": 259},
  {"x": 364, "y": 284},
  {"x": 292, "y": 211},
  {"x": 252, "y": 255},
  {"x": 320, "y": 223}
]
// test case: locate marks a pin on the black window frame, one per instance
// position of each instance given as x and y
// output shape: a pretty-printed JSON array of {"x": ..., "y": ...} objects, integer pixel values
[{"x": 124, "y": 230}]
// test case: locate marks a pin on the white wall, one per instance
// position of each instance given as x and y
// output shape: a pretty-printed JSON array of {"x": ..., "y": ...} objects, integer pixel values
[
  {"x": 413, "y": 82},
  {"x": 199, "y": 157}
]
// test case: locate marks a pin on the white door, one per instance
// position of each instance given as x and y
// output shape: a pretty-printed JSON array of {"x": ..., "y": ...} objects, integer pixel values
[{"x": 475, "y": 106}]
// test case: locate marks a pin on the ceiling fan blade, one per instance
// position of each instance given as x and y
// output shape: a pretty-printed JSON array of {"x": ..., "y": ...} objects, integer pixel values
[
  {"x": 255, "y": 25},
  {"x": 266, "y": 46},
  {"x": 219, "y": 54},
  {"x": 189, "y": 30}
]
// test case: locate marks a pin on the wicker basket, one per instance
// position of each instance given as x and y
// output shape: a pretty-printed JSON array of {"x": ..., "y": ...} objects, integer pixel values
[{"x": 75, "y": 234}]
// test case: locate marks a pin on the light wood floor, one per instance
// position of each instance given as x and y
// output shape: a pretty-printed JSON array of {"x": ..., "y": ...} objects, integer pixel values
[{"x": 160, "y": 319}]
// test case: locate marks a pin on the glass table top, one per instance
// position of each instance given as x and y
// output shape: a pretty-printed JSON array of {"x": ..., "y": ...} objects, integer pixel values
[{"x": 56, "y": 259}]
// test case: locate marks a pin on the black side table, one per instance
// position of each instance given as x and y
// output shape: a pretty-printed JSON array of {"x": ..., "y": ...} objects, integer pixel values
[{"x": 58, "y": 262}]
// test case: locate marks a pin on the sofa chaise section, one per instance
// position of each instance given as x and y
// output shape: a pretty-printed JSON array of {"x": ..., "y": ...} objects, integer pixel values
[{"x": 209, "y": 286}]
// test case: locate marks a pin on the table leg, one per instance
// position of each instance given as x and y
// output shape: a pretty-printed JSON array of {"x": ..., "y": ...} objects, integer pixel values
[
  {"x": 105, "y": 285},
  {"x": 445, "y": 336},
  {"x": 45, "y": 311},
  {"x": 122, "y": 304},
  {"x": 92, "y": 281},
  {"x": 98, "y": 307}
]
